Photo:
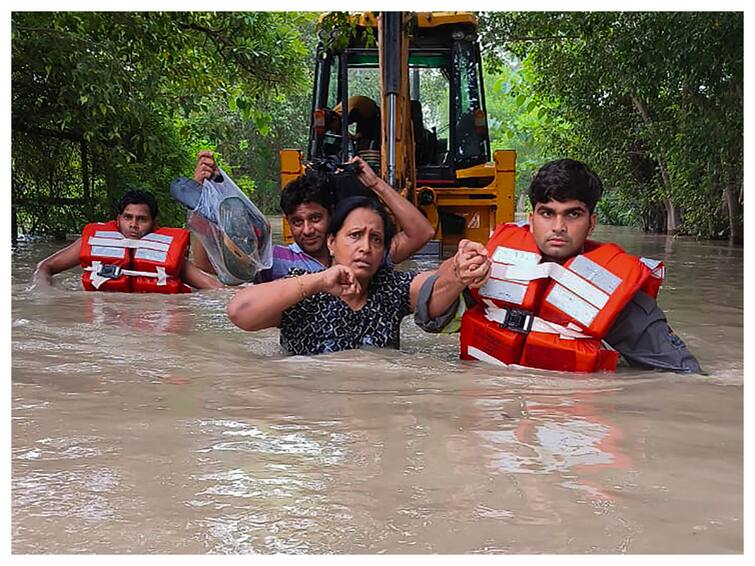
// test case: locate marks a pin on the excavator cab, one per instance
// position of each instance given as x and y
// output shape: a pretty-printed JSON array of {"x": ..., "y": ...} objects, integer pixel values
[
  {"x": 447, "y": 103},
  {"x": 412, "y": 86}
]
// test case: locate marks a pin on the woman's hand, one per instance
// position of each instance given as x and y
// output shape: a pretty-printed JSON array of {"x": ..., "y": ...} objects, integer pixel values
[
  {"x": 471, "y": 263},
  {"x": 338, "y": 281},
  {"x": 365, "y": 174}
]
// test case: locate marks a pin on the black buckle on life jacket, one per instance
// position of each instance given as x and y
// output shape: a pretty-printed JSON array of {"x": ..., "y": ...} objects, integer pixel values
[
  {"x": 109, "y": 271},
  {"x": 518, "y": 320}
]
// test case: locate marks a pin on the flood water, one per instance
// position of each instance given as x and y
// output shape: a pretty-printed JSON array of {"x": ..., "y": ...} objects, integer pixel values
[{"x": 151, "y": 424}]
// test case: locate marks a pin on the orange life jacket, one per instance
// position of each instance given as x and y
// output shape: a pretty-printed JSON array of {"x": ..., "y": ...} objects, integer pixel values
[
  {"x": 552, "y": 316},
  {"x": 151, "y": 264}
]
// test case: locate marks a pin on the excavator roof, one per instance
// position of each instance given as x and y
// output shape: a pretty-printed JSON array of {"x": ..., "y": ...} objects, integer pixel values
[{"x": 424, "y": 19}]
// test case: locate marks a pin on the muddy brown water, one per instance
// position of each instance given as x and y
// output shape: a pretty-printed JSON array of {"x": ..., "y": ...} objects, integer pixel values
[{"x": 150, "y": 424}]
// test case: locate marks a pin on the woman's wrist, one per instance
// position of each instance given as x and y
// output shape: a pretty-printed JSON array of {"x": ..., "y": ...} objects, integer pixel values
[
  {"x": 306, "y": 285},
  {"x": 458, "y": 280},
  {"x": 300, "y": 287},
  {"x": 313, "y": 283}
]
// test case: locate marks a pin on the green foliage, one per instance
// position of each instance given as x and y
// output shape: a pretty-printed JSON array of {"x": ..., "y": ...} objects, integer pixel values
[
  {"x": 250, "y": 147},
  {"x": 106, "y": 101},
  {"x": 520, "y": 119},
  {"x": 337, "y": 29},
  {"x": 652, "y": 101}
]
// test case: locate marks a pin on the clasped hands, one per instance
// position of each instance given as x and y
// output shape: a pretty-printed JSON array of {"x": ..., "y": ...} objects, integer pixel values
[{"x": 471, "y": 263}]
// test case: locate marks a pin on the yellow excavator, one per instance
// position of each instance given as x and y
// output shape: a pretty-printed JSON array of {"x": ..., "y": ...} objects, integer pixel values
[{"x": 412, "y": 84}]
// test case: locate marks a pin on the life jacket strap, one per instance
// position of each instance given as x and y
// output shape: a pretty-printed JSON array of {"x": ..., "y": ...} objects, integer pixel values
[
  {"x": 509, "y": 318},
  {"x": 102, "y": 272},
  {"x": 478, "y": 354}
]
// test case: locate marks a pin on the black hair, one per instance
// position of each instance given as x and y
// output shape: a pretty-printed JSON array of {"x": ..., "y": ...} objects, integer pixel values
[
  {"x": 325, "y": 181},
  {"x": 344, "y": 208},
  {"x": 137, "y": 196},
  {"x": 563, "y": 180},
  {"x": 312, "y": 186}
]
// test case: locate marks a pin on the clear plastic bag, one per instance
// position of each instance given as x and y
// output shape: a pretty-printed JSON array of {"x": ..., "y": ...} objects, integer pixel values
[{"x": 235, "y": 234}]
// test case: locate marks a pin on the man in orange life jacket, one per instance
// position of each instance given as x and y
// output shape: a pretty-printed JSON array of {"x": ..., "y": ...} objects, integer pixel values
[
  {"x": 563, "y": 195},
  {"x": 137, "y": 214}
]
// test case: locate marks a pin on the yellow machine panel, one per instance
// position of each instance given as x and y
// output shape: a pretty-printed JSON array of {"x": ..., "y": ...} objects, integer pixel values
[{"x": 446, "y": 169}]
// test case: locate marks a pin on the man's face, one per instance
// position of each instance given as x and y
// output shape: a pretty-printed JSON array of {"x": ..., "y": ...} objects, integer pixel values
[
  {"x": 135, "y": 221},
  {"x": 309, "y": 225},
  {"x": 561, "y": 228}
]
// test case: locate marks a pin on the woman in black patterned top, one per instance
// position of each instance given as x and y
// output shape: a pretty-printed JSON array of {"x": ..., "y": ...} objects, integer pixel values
[{"x": 358, "y": 301}]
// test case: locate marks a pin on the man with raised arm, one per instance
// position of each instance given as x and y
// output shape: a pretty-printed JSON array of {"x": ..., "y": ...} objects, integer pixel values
[{"x": 307, "y": 203}]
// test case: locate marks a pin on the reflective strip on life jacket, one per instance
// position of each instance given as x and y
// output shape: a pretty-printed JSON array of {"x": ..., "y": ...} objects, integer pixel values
[
  {"x": 513, "y": 256},
  {"x": 108, "y": 251},
  {"x": 510, "y": 282},
  {"x": 572, "y": 304},
  {"x": 656, "y": 267},
  {"x": 123, "y": 242},
  {"x": 151, "y": 251},
  {"x": 106, "y": 243},
  {"x": 478, "y": 354},
  {"x": 657, "y": 274},
  {"x": 506, "y": 291}
]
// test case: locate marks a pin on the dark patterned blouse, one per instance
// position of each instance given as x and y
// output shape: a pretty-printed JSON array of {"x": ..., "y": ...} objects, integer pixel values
[{"x": 323, "y": 323}]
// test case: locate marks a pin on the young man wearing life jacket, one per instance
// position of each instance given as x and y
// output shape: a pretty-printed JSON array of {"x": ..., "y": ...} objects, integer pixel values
[
  {"x": 306, "y": 202},
  {"x": 130, "y": 253},
  {"x": 556, "y": 300}
]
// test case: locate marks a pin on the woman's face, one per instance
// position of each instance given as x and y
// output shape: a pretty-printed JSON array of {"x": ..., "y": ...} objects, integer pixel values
[{"x": 360, "y": 243}]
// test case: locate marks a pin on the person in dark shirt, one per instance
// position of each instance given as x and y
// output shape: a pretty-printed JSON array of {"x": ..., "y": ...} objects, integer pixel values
[
  {"x": 365, "y": 113},
  {"x": 561, "y": 220},
  {"x": 359, "y": 300}
]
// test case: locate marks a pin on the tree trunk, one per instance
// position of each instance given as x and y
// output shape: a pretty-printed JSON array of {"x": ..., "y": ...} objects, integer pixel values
[
  {"x": 736, "y": 232},
  {"x": 673, "y": 217},
  {"x": 85, "y": 171},
  {"x": 14, "y": 226},
  {"x": 521, "y": 204}
]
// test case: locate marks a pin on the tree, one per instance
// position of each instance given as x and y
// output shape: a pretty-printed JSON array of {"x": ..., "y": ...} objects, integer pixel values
[
  {"x": 247, "y": 143},
  {"x": 101, "y": 96},
  {"x": 519, "y": 119},
  {"x": 655, "y": 102}
]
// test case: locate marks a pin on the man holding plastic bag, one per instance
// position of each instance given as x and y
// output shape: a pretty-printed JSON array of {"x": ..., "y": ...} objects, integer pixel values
[
  {"x": 311, "y": 197},
  {"x": 234, "y": 236}
]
